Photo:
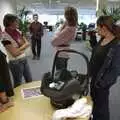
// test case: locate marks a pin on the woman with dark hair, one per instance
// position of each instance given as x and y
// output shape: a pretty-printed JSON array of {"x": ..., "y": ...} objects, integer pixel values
[
  {"x": 104, "y": 66},
  {"x": 61, "y": 41},
  {"x": 15, "y": 45}
]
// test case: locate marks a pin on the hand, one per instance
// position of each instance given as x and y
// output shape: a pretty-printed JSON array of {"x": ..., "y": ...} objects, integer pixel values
[
  {"x": 27, "y": 44},
  {"x": 63, "y": 26},
  {"x": 21, "y": 52}
]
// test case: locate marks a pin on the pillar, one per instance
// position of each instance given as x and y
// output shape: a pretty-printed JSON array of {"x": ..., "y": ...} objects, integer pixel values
[
  {"x": 7, "y": 6},
  {"x": 100, "y": 5}
]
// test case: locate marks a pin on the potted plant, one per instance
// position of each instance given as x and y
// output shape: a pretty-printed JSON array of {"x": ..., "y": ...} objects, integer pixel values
[
  {"x": 114, "y": 12},
  {"x": 23, "y": 22}
]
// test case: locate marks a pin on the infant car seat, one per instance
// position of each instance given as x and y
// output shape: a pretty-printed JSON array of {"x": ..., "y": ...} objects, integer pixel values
[{"x": 64, "y": 87}]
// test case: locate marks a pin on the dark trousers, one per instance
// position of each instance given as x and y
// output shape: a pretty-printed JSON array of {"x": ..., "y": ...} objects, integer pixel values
[
  {"x": 36, "y": 45},
  {"x": 93, "y": 41},
  {"x": 100, "y": 99},
  {"x": 19, "y": 69},
  {"x": 61, "y": 63}
]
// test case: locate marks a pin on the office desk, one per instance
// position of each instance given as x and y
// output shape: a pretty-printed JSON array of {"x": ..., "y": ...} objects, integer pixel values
[{"x": 29, "y": 109}]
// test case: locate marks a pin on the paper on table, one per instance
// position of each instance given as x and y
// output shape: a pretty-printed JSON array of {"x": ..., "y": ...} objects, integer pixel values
[{"x": 31, "y": 92}]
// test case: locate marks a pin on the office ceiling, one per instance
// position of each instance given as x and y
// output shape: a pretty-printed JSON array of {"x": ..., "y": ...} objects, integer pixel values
[
  {"x": 57, "y": 3},
  {"x": 52, "y": 6}
]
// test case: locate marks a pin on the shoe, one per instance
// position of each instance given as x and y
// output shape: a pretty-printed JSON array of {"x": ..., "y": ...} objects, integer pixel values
[
  {"x": 38, "y": 58},
  {"x": 34, "y": 57}
]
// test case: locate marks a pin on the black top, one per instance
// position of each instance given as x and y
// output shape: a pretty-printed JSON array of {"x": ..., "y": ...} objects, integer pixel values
[
  {"x": 5, "y": 81},
  {"x": 98, "y": 56}
]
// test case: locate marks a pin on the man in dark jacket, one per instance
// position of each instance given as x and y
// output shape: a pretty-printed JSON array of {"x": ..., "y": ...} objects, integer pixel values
[{"x": 36, "y": 29}]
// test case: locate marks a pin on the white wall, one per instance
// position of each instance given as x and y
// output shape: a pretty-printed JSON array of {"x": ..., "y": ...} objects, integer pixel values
[
  {"x": 6, "y": 6},
  {"x": 54, "y": 15}
]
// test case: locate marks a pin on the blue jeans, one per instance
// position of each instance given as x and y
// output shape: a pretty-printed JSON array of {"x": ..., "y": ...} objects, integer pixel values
[{"x": 20, "y": 68}]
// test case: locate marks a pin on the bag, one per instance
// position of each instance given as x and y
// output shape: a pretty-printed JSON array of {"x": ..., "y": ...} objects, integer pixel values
[{"x": 64, "y": 87}]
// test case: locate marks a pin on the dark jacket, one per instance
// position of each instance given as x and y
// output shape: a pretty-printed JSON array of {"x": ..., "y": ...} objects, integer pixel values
[
  {"x": 110, "y": 70},
  {"x": 5, "y": 81},
  {"x": 36, "y": 29}
]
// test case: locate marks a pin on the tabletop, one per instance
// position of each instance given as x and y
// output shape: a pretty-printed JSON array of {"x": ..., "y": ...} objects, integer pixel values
[{"x": 29, "y": 109}]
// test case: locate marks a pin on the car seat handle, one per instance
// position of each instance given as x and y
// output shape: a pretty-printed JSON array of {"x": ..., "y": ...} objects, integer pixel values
[{"x": 69, "y": 51}]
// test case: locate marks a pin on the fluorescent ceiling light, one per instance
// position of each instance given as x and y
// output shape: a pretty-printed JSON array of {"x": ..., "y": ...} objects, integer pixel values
[{"x": 114, "y": 0}]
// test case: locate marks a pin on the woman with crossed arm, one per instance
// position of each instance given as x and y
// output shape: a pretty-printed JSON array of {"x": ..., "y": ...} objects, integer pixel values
[{"x": 15, "y": 45}]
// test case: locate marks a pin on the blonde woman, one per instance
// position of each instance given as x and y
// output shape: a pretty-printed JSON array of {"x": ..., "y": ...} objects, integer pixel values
[{"x": 62, "y": 39}]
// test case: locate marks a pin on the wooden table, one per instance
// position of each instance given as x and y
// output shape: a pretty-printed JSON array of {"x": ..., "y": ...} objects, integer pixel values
[{"x": 29, "y": 109}]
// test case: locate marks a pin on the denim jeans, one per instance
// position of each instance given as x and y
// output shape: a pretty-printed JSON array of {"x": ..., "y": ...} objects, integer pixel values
[{"x": 20, "y": 68}]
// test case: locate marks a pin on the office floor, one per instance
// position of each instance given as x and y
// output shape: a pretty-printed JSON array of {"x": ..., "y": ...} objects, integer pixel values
[{"x": 39, "y": 67}]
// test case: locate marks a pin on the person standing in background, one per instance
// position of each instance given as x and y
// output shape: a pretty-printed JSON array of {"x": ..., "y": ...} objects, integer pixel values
[
  {"x": 67, "y": 33},
  {"x": 93, "y": 38},
  {"x": 36, "y": 30}
]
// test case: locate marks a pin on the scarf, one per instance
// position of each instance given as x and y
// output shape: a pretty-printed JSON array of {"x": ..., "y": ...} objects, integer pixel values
[{"x": 15, "y": 34}]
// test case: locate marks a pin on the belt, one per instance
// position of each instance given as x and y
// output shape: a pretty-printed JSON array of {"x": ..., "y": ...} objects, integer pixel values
[{"x": 17, "y": 60}]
